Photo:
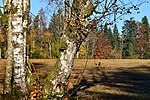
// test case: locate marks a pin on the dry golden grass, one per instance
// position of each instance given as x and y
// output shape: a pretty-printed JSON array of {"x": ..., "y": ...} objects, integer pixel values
[{"x": 114, "y": 79}]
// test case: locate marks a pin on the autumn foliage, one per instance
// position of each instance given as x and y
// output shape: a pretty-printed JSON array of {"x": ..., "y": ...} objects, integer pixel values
[
  {"x": 141, "y": 42},
  {"x": 103, "y": 47}
]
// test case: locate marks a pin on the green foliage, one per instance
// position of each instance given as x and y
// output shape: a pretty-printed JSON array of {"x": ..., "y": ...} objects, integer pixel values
[
  {"x": 55, "y": 50},
  {"x": 129, "y": 30},
  {"x": 1, "y": 13},
  {"x": 116, "y": 37},
  {"x": 57, "y": 47},
  {"x": 116, "y": 54},
  {"x": 110, "y": 35},
  {"x": 82, "y": 52},
  {"x": 4, "y": 19},
  {"x": 63, "y": 44},
  {"x": 145, "y": 24}
]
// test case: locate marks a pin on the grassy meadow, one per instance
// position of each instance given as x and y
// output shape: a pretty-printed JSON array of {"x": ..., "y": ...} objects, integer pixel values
[{"x": 102, "y": 79}]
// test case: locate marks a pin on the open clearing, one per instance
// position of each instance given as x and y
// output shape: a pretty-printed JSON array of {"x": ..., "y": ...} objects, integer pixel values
[{"x": 113, "y": 79}]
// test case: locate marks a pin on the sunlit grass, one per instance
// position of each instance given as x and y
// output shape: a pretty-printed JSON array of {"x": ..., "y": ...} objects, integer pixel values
[
  {"x": 124, "y": 77},
  {"x": 111, "y": 90}
]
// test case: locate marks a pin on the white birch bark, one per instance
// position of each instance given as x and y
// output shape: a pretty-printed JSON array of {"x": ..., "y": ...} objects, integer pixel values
[
  {"x": 66, "y": 65},
  {"x": 73, "y": 43},
  {"x": 19, "y": 23},
  {"x": 19, "y": 73}
]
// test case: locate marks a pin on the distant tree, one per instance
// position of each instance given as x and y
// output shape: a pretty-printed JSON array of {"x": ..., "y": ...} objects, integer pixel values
[
  {"x": 141, "y": 42},
  {"x": 90, "y": 45},
  {"x": 31, "y": 37},
  {"x": 105, "y": 29},
  {"x": 146, "y": 26},
  {"x": 109, "y": 34},
  {"x": 116, "y": 50},
  {"x": 56, "y": 25},
  {"x": 129, "y": 31},
  {"x": 116, "y": 37},
  {"x": 42, "y": 21},
  {"x": 146, "y": 29},
  {"x": 103, "y": 47},
  {"x": 47, "y": 39},
  {"x": 111, "y": 37}
]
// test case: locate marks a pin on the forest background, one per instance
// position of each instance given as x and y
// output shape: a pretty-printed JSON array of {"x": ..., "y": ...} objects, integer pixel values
[{"x": 126, "y": 38}]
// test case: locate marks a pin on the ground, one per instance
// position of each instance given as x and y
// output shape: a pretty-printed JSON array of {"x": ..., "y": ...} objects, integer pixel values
[{"x": 109, "y": 79}]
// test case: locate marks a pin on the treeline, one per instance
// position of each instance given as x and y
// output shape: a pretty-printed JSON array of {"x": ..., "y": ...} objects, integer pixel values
[
  {"x": 133, "y": 41},
  {"x": 105, "y": 43}
]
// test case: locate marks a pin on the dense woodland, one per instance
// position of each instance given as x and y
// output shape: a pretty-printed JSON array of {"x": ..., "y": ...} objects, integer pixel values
[
  {"x": 76, "y": 29},
  {"x": 106, "y": 42}
]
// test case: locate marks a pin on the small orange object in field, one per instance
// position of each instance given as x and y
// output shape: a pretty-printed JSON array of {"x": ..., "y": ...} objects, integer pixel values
[
  {"x": 70, "y": 85},
  {"x": 66, "y": 98},
  {"x": 45, "y": 96}
]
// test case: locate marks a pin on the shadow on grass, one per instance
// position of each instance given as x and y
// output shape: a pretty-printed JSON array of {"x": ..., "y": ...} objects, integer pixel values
[{"x": 117, "y": 84}]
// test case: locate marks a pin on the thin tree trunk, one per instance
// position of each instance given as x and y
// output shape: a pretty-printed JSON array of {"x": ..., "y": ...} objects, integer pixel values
[
  {"x": 26, "y": 10},
  {"x": 50, "y": 49},
  {"x": 0, "y": 53},
  {"x": 121, "y": 51},
  {"x": 8, "y": 73}
]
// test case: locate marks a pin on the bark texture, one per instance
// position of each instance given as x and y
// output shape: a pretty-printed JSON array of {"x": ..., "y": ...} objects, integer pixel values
[
  {"x": 66, "y": 63},
  {"x": 73, "y": 34},
  {"x": 16, "y": 71},
  {"x": 19, "y": 72},
  {"x": 8, "y": 76}
]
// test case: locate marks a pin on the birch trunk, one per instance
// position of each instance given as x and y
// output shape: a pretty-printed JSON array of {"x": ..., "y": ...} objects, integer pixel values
[
  {"x": 73, "y": 21},
  {"x": 26, "y": 10},
  {"x": 19, "y": 23},
  {"x": 8, "y": 73},
  {"x": 73, "y": 34},
  {"x": 66, "y": 65},
  {"x": 16, "y": 60}
]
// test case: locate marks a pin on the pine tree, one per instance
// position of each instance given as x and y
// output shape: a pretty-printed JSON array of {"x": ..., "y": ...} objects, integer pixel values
[
  {"x": 108, "y": 32},
  {"x": 116, "y": 37},
  {"x": 129, "y": 31},
  {"x": 111, "y": 37},
  {"x": 146, "y": 29}
]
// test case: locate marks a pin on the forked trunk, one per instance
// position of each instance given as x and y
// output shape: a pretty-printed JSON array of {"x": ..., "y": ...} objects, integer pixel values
[
  {"x": 73, "y": 34},
  {"x": 66, "y": 61}
]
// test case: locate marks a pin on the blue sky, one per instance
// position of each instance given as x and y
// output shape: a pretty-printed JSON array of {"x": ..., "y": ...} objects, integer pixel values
[{"x": 144, "y": 11}]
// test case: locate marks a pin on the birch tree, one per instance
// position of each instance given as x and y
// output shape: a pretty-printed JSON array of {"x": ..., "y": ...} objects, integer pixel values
[
  {"x": 8, "y": 76},
  {"x": 76, "y": 29},
  {"x": 77, "y": 26},
  {"x": 15, "y": 81}
]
